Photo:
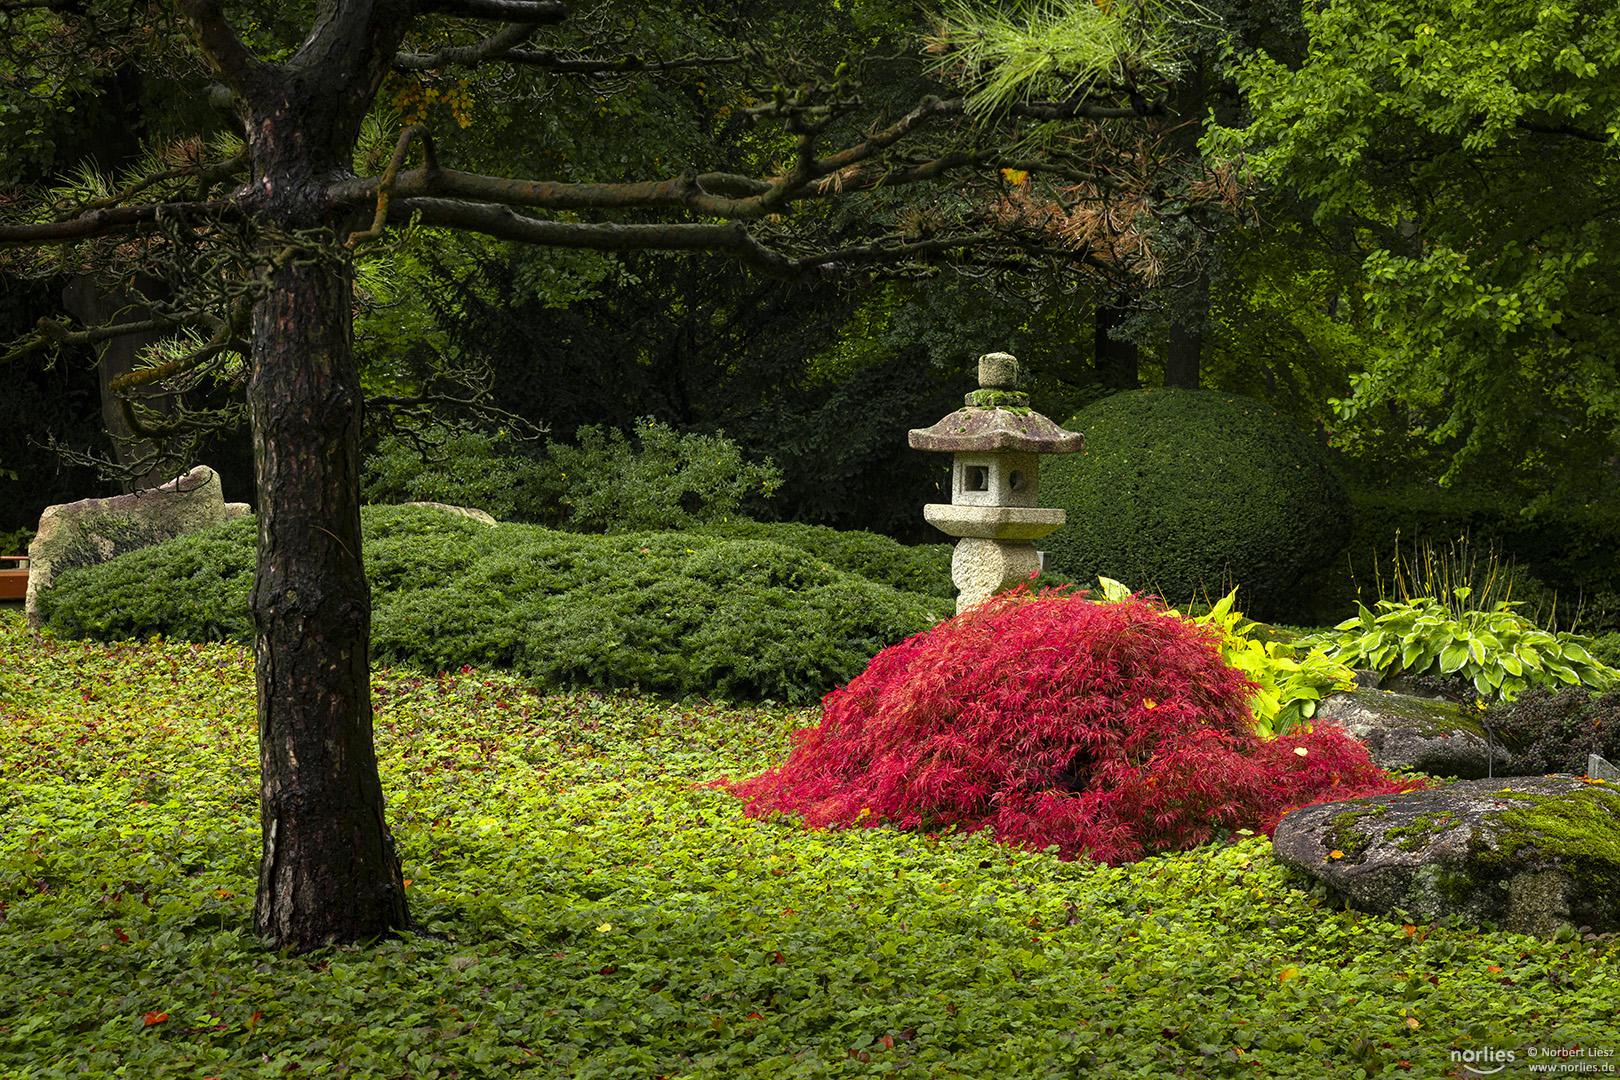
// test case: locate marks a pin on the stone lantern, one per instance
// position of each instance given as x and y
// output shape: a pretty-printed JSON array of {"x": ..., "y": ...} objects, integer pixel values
[{"x": 995, "y": 481}]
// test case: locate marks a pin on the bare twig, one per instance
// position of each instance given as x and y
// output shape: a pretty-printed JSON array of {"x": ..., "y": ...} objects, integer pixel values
[{"x": 385, "y": 185}]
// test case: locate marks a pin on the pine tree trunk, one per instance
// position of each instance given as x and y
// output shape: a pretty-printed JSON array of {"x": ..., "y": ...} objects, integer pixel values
[
  {"x": 1116, "y": 361},
  {"x": 329, "y": 871},
  {"x": 1183, "y": 355}
]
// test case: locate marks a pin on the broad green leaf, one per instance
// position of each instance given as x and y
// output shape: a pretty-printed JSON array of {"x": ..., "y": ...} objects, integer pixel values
[
  {"x": 1574, "y": 652},
  {"x": 1453, "y": 657},
  {"x": 1113, "y": 591},
  {"x": 1563, "y": 673}
]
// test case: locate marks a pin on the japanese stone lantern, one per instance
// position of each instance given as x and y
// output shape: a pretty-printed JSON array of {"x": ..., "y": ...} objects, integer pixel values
[{"x": 995, "y": 480}]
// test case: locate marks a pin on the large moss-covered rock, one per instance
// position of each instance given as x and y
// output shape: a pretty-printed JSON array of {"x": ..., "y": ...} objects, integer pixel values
[
  {"x": 1532, "y": 854},
  {"x": 1188, "y": 492},
  {"x": 1417, "y": 734}
]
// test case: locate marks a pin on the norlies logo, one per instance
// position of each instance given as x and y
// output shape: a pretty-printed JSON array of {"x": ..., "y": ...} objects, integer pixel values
[{"x": 1475, "y": 1061}]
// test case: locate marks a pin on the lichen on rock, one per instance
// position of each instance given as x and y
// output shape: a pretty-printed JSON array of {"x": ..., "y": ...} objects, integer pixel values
[{"x": 1530, "y": 854}]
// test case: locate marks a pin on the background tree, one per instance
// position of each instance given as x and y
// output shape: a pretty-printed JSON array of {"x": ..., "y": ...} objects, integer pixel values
[
  {"x": 1470, "y": 150},
  {"x": 254, "y": 234}
]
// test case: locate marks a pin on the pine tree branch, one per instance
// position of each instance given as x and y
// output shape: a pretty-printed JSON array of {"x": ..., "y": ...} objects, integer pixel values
[
  {"x": 236, "y": 66},
  {"x": 497, "y": 46},
  {"x": 534, "y": 12},
  {"x": 730, "y": 239},
  {"x": 686, "y": 192},
  {"x": 623, "y": 66},
  {"x": 116, "y": 219},
  {"x": 504, "y": 223}
]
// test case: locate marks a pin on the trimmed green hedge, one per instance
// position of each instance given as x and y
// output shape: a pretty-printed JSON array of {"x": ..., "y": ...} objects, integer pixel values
[
  {"x": 1185, "y": 493},
  {"x": 685, "y": 614}
]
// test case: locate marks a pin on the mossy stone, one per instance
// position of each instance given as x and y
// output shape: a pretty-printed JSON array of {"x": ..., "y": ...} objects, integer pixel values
[{"x": 1535, "y": 855}]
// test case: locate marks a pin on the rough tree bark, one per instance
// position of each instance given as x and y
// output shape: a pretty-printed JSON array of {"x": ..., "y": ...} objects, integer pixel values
[{"x": 329, "y": 871}]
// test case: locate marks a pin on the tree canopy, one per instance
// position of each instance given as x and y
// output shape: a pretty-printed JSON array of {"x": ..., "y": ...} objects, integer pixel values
[{"x": 1471, "y": 150}]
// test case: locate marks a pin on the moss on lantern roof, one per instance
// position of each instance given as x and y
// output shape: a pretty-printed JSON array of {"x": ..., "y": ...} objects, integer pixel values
[{"x": 991, "y": 429}]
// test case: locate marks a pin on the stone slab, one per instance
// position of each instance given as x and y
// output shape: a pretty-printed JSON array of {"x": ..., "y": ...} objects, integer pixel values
[
  {"x": 996, "y": 429},
  {"x": 92, "y": 531},
  {"x": 1417, "y": 734},
  {"x": 995, "y": 522}
]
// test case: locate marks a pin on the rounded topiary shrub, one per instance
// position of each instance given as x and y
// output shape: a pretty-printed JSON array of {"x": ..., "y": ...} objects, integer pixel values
[
  {"x": 1185, "y": 493},
  {"x": 1109, "y": 730}
]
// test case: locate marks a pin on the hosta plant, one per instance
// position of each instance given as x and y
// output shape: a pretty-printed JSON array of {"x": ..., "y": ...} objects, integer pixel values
[
  {"x": 1289, "y": 682},
  {"x": 1112, "y": 730},
  {"x": 1500, "y": 651}
]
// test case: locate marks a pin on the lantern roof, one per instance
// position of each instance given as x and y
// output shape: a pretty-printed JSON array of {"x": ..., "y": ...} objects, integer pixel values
[{"x": 996, "y": 418}]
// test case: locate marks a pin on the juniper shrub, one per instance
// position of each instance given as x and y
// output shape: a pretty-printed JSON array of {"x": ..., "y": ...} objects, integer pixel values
[{"x": 1108, "y": 730}]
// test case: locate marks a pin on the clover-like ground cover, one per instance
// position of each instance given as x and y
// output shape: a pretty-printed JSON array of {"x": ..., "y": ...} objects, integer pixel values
[{"x": 604, "y": 913}]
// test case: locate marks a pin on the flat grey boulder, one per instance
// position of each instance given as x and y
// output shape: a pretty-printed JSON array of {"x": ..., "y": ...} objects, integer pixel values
[
  {"x": 92, "y": 531},
  {"x": 1416, "y": 734},
  {"x": 1529, "y": 853},
  {"x": 464, "y": 511}
]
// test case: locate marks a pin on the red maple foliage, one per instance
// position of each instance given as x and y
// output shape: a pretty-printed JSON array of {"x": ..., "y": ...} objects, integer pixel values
[{"x": 1112, "y": 731}]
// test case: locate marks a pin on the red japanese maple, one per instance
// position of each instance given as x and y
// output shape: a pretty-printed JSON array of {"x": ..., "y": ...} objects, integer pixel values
[{"x": 1110, "y": 730}]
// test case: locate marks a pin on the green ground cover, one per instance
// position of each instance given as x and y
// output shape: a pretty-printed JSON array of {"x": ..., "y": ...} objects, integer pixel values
[{"x": 600, "y": 912}]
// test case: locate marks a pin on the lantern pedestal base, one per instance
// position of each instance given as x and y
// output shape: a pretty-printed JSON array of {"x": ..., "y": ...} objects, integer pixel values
[{"x": 982, "y": 567}]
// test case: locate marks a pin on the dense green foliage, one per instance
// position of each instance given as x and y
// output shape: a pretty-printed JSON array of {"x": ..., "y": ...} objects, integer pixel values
[
  {"x": 1499, "y": 651},
  {"x": 1470, "y": 147},
  {"x": 466, "y": 468},
  {"x": 689, "y": 614},
  {"x": 659, "y": 479},
  {"x": 1559, "y": 561},
  {"x": 191, "y": 588},
  {"x": 16, "y": 541},
  {"x": 1186, "y": 493},
  {"x": 1553, "y": 730},
  {"x": 1606, "y": 649},
  {"x": 923, "y": 568},
  {"x": 602, "y": 913},
  {"x": 662, "y": 480}
]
